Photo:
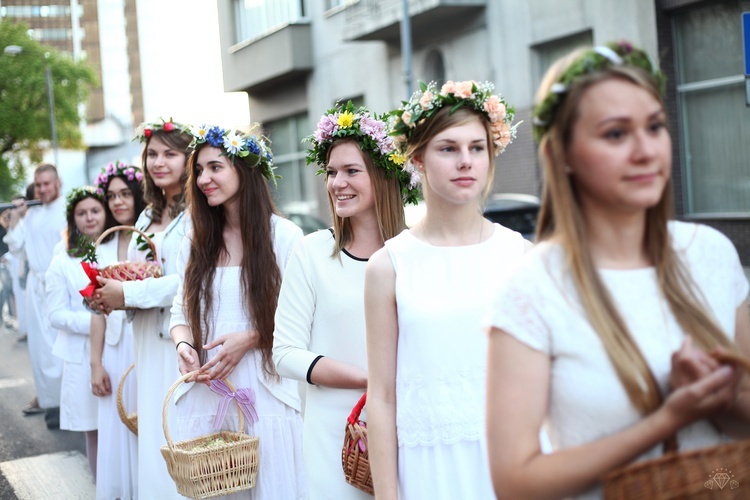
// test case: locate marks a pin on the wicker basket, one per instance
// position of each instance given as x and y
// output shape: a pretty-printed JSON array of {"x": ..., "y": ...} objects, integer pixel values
[
  {"x": 719, "y": 472},
  {"x": 130, "y": 271},
  {"x": 129, "y": 419},
  {"x": 355, "y": 453},
  {"x": 203, "y": 472}
]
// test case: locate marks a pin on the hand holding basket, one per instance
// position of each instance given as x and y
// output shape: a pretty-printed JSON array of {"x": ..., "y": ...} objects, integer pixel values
[
  {"x": 215, "y": 465},
  {"x": 121, "y": 271},
  {"x": 695, "y": 474}
]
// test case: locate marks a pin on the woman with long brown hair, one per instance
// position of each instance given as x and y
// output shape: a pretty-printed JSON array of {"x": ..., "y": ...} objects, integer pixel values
[
  {"x": 164, "y": 157},
  {"x": 223, "y": 315},
  {"x": 605, "y": 331}
]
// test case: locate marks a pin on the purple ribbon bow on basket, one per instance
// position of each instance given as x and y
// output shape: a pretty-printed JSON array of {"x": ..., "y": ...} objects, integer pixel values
[{"x": 245, "y": 400}]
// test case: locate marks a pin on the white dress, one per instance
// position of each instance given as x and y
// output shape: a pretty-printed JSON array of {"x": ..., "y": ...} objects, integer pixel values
[
  {"x": 36, "y": 235},
  {"x": 321, "y": 313},
  {"x": 281, "y": 470},
  {"x": 155, "y": 359},
  {"x": 117, "y": 458},
  {"x": 539, "y": 306},
  {"x": 72, "y": 320},
  {"x": 442, "y": 294}
]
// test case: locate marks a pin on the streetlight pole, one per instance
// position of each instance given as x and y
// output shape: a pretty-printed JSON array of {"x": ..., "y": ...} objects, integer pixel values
[
  {"x": 406, "y": 46},
  {"x": 14, "y": 50}
]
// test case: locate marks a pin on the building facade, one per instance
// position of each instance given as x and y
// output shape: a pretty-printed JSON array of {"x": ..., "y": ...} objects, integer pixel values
[{"x": 296, "y": 58}]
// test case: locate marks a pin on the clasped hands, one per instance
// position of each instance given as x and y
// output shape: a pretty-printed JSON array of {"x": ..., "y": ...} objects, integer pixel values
[
  {"x": 701, "y": 384},
  {"x": 233, "y": 347},
  {"x": 108, "y": 297}
]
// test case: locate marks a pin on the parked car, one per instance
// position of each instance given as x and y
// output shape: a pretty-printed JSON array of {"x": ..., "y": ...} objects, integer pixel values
[
  {"x": 515, "y": 211},
  {"x": 308, "y": 223}
]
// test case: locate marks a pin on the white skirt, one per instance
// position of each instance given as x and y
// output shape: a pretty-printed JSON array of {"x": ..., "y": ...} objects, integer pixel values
[
  {"x": 79, "y": 408},
  {"x": 117, "y": 459}
]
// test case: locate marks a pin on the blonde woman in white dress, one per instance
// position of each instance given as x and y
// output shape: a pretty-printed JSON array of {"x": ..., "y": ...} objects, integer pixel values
[
  {"x": 425, "y": 295},
  {"x": 320, "y": 320}
]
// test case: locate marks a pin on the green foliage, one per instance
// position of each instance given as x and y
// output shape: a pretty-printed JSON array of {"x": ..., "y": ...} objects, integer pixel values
[{"x": 24, "y": 108}]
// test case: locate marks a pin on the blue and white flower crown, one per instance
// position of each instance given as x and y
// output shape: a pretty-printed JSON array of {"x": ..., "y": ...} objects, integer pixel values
[{"x": 237, "y": 144}]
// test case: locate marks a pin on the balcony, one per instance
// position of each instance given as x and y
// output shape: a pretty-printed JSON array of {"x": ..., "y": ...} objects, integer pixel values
[
  {"x": 379, "y": 19},
  {"x": 263, "y": 45}
]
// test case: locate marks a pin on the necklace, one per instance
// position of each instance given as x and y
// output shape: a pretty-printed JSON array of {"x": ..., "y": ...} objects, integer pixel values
[{"x": 427, "y": 239}]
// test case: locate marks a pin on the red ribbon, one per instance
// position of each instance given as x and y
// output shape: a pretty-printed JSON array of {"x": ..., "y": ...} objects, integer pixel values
[{"x": 91, "y": 272}]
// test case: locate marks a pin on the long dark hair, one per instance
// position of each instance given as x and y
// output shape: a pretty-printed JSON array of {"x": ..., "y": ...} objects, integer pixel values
[
  {"x": 153, "y": 194},
  {"x": 138, "y": 202},
  {"x": 260, "y": 274},
  {"x": 72, "y": 234}
]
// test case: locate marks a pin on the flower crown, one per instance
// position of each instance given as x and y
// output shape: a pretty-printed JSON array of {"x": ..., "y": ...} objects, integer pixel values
[
  {"x": 145, "y": 130},
  {"x": 596, "y": 59},
  {"x": 477, "y": 96},
  {"x": 116, "y": 169},
  {"x": 371, "y": 133},
  {"x": 237, "y": 144},
  {"x": 78, "y": 194}
]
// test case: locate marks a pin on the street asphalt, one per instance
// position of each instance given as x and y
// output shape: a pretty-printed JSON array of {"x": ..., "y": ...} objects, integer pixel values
[{"x": 34, "y": 462}]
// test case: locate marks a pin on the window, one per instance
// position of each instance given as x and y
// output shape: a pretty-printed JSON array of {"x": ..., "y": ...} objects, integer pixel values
[
  {"x": 335, "y": 4},
  {"x": 434, "y": 68},
  {"x": 255, "y": 18},
  {"x": 549, "y": 52},
  {"x": 299, "y": 182},
  {"x": 714, "y": 122}
]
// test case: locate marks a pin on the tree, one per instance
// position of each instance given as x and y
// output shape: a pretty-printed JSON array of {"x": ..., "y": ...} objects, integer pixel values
[{"x": 24, "y": 109}]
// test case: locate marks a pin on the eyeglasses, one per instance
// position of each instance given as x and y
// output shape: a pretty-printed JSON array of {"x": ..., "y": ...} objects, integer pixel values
[{"x": 125, "y": 194}]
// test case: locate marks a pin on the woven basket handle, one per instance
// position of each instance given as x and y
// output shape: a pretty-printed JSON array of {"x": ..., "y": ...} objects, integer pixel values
[
  {"x": 671, "y": 444},
  {"x": 165, "y": 408},
  {"x": 122, "y": 228},
  {"x": 119, "y": 400},
  {"x": 357, "y": 410}
]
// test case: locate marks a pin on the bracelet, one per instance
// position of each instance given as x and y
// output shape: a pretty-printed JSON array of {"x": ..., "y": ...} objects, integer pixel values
[{"x": 183, "y": 342}]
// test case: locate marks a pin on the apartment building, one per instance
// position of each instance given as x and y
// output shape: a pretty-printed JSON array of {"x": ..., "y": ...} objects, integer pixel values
[{"x": 296, "y": 58}]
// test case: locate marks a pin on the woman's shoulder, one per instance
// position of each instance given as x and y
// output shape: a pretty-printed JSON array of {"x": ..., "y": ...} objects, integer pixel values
[{"x": 699, "y": 239}]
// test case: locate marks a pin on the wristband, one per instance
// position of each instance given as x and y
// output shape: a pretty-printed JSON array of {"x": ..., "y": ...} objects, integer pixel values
[{"x": 183, "y": 342}]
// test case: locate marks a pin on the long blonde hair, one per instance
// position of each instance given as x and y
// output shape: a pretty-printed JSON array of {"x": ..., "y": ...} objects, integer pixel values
[
  {"x": 561, "y": 217},
  {"x": 389, "y": 208}
]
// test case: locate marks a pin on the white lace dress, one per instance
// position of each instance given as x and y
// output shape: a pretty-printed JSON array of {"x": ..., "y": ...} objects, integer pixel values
[{"x": 442, "y": 294}]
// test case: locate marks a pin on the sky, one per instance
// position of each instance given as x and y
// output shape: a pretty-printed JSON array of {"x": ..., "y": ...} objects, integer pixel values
[{"x": 182, "y": 78}]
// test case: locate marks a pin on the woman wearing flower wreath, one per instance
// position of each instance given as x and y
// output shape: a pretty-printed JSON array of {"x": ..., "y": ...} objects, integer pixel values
[
  {"x": 223, "y": 314},
  {"x": 112, "y": 342},
  {"x": 618, "y": 304},
  {"x": 67, "y": 313},
  {"x": 164, "y": 157},
  {"x": 425, "y": 294},
  {"x": 320, "y": 324}
]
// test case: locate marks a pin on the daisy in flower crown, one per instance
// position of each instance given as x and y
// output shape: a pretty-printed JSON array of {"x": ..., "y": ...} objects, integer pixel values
[
  {"x": 371, "y": 133},
  {"x": 252, "y": 147}
]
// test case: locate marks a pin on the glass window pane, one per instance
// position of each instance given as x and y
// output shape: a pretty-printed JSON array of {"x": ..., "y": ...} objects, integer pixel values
[
  {"x": 548, "y": 53},
  {"x": 716, "y": 127},
  {"x": 709, "y": 41}
]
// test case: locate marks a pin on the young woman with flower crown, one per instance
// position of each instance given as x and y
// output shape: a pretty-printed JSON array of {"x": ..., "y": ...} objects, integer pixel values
[
  {"x": 112, "y": 342},
  {"x": 610, "y": 320},
  {"x": 164, "y": 158},
  {"x": 223, "y": 314},
  {"x": 425, "y": 293},
  {"x": 65, "y": 277},
  {"x": 320, "y": 324}
]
